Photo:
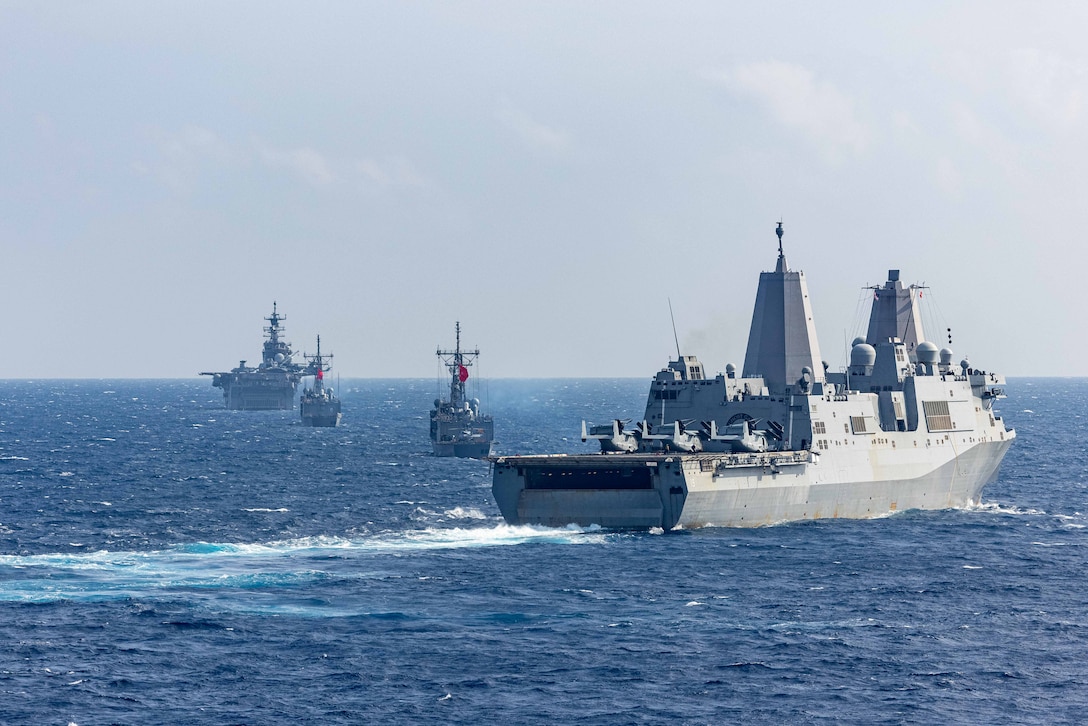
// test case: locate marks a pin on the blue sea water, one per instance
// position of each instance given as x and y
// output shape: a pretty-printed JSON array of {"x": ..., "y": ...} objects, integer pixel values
[{"x": 163, "y": 560}]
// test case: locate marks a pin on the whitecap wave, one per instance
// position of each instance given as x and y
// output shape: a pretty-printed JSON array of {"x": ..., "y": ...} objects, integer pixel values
[
  {"x": 999, "y": 508},
  {"x": 465, "y": 513},
  {"x": 105, "y": 574}
]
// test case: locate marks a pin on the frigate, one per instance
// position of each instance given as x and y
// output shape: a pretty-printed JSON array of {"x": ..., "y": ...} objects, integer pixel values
[
  {"x": 318, "y": 404},
  {"x": 268, "y": 386},
  {"x": 901, "y": 427},
  {"x": 457, "y": 426}
]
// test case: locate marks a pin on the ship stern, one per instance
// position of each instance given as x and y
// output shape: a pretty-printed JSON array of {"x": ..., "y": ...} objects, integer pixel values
[{"x": 602, "y": 490}]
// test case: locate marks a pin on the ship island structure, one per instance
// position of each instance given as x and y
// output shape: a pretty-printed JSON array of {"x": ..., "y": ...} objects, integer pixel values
[
  {"x": 269, "y": 386},
  {"x": 458, "y": 428},
  {"x": 318, "y": 405},
  {"x": 902, "y": 427}
]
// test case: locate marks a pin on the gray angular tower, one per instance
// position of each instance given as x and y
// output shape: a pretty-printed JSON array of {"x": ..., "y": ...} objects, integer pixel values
[
  {"x": 782, "y": 341},
  {"x": 895, "y": 314}
]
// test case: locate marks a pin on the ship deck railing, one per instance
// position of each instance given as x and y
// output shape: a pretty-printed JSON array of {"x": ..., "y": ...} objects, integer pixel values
[{"x": 707, "y": 460}]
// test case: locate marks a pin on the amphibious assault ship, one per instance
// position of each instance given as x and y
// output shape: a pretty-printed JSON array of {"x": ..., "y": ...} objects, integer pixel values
[
  {"x": 318, "y": 405},
  {"x": 457, "y": 426},
  {"x": 269, "y": 386},
  {"x": 902, "y": 427}
]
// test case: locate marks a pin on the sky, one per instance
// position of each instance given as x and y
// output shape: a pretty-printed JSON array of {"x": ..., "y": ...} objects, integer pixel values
[{"x": 553, "y": 175}]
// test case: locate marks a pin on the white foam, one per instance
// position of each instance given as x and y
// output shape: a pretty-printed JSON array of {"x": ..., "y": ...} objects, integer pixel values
[
  {"x": 998, "y": 508},
  {"x": 499, "y": 535},
  {"x": 104, "y": 574},
  {"x": 463, "y": 513},
  {"x": 264, "y": 509}
]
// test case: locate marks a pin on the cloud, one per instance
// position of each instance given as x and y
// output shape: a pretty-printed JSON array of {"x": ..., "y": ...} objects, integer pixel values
[
  {"x": 796, "y": 99},
  {"x": 182, "y": 155},
  {"x": 1048, "y": 87},
  {"x": 395, "y": 172},
  {"x": 531, "y": 131},
  {"x": 977, "y": 131},
  {"x": 305, "y": 162},
  {"x": 948, "y": 178}
]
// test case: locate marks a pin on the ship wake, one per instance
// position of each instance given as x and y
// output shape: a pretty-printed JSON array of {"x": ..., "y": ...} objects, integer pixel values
[{"x": 186, "y": 570}]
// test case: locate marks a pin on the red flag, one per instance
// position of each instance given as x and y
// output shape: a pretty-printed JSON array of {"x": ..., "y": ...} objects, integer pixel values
[
  {"x": 320, "y": 374},
  {"x": 462, "y": 374}
]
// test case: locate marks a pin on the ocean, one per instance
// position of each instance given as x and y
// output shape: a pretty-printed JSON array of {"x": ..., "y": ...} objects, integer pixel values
[{"x": 164, "y": 560}]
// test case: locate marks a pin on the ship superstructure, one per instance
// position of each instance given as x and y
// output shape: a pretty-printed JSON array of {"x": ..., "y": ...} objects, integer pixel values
[
  {"x": 458, "y": 428},
  {"x": 318, "y": 404},
  {"x": 268, "y": 386},
  {"x": 901, "y": 427}
]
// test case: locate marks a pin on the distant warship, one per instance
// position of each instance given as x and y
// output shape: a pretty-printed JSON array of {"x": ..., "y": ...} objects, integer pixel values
[
  {"x": 318, "y": 405},
  {"x": 271, "y": 385},
  {"x": 457, "y": 427},
  {"x": 902, "y": 427}
]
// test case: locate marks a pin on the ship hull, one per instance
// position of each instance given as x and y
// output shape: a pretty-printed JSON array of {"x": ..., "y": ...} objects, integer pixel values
[
  {"x": 259, "y": 398},
  {"x": 319, "y": 412},
  {"x": 469, "y": 439},
  {"x": 321, "y": 420},
  {"x": 465, "y": 450},
  {"x": 643, "y": 491}
]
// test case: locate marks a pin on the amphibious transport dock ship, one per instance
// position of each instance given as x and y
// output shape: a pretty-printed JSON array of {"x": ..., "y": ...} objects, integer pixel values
[
  {"x": 457, "y": 426},
  {"x": 318, "y": 405},
  {"x": 269, "y": 386},
  {"x": 902, "y": 427}
]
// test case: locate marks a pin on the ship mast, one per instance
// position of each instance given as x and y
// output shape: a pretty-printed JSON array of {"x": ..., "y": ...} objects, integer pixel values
[
  {"x": 274, "y": 346},
  {"x": 457, "y": 362},
  {"x": 318, "y": 366}
]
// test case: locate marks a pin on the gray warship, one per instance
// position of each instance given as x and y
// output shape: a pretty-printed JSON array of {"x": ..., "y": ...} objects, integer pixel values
[
  {"x": 902, "y": 427},
  {"x": 318, "y": 405},
  {"x": 271, "y": 385},
  {"x": 457, "y": 426}
]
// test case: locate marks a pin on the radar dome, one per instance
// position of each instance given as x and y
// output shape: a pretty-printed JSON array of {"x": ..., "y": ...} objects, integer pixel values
[
  {"x": 279, "y": 357},
  {"x": 862, "y": 354},
  {"x": 927, "y": 352},
  {"x": 806, "y": 371},
  {"x": 857, "y": 341},
  {"x": 946, "y": 356},
  {"x": 437, "y": 402},
  {"x": 730, "y": 368}
]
